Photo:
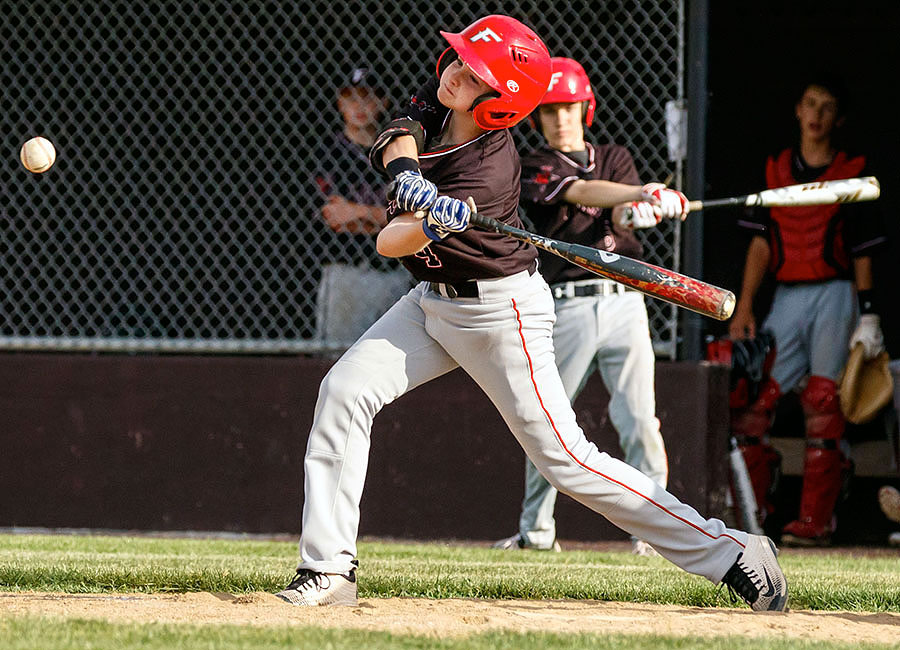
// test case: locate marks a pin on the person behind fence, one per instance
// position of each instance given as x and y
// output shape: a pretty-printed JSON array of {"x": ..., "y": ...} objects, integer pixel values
[
  {"x": 821, "y": 260},
  {"x": 481, "y": 305},
  {"x": 569, "y": 188},
  {"x": 357, "y": 285}
]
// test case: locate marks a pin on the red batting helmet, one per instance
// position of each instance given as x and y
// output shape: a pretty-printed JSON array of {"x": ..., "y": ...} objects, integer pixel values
[
  {"x": 511, "y": 59},
  {"x": 570, "y": 83}
]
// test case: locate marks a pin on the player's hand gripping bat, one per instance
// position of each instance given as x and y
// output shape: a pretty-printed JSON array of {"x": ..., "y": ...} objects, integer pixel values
[
  {"x": 848, "y": 190},
  {"x": 652, "y": 280}
]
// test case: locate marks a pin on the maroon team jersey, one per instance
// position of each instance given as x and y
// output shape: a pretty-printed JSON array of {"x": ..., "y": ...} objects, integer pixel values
[
  {"x": 546, "y": 175},
  {"x": 487, "y": 169}
]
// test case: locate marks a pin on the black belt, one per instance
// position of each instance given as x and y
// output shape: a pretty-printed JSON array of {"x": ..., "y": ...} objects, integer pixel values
[
  {"x": 467, "y": 289},
  {"x": 456, "y": 289},
  {"x": 591, "y": 288}
]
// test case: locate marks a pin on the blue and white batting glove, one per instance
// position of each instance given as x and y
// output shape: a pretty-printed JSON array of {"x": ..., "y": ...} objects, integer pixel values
[
  {"x": 446, "y": 217},
  {"x": 413, "y": 192}
]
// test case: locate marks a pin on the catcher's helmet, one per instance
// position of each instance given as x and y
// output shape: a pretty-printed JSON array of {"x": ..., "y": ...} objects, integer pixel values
[
  {"x": 511, "y": 59},
  {"x": 569, "y": 83}
]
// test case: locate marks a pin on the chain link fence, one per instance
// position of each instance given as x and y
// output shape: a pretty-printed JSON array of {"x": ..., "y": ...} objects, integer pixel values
[{"x": 184, "y": 210}]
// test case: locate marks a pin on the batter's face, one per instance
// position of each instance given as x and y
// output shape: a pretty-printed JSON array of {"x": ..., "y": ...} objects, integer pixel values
[
  {"x": 460, "y": 87},
  {"x": 817, "y": 113},
  {"x": 562, "y": 125}
]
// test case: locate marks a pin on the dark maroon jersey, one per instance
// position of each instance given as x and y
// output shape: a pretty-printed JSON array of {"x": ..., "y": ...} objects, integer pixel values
[
  {"x": 546, "y": 175},
  {"x": 487, "y": 169}
]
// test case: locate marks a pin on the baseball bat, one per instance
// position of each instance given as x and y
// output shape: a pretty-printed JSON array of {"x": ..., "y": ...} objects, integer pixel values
[
  {"x": 847, "y": 190},
  {"x": 651, "y": 280},
  {"x": 742, "y": 488}
]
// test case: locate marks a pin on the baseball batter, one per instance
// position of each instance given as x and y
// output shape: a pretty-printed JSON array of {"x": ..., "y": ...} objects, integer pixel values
[
  {"x": 567, "y": 187},
  {"x": 481, "y": 305}
]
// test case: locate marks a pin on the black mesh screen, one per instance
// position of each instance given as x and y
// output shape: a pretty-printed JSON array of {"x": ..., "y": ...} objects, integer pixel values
[{"x": 182, "y": 212}]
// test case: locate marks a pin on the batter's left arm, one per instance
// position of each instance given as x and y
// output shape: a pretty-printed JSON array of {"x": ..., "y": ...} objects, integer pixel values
[{"x": 401, "y": 237}]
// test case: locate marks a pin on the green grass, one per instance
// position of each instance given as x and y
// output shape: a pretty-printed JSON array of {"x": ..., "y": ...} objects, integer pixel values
[
  {"x": 31, "y": 633},
  {"x": 81, "y": 564}
]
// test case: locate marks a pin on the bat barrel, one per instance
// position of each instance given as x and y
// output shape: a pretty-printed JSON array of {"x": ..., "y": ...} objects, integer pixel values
[{"x": 655, "y": 281}]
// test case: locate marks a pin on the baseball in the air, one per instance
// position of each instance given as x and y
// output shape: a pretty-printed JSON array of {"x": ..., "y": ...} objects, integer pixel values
[{"x": 38, "y": 155}]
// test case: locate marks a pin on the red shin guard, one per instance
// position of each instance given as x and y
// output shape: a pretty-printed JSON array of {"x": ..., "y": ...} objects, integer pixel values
[{"x": 824, "y": 465}]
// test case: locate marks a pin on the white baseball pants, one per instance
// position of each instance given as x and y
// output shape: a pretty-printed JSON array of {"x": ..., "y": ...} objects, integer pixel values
[{"x": 503, "y": 340}]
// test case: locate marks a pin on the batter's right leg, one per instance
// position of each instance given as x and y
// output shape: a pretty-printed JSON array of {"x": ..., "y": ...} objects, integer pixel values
[
  {"x": 509, "y": 353},
  {"x": 394, "y": 356}
]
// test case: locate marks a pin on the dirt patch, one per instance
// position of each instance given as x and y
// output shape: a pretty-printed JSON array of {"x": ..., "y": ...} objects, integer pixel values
[{"x": 458, "y": 617}]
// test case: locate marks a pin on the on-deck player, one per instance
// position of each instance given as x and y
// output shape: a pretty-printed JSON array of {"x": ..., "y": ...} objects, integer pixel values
[
  {"x": 481, "y": 305},
  {"x": 600, "y": 325}
]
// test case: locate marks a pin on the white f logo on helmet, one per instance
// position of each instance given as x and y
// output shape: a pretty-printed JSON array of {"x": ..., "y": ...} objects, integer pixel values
[
  {"x": 486, "y": 34},
  {"x": 554, "y": 79}
]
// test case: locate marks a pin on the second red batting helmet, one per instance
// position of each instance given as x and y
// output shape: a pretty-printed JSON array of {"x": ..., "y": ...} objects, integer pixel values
[
  {"x": 511, "y": 59},
  {"x": 570, "y": 83}
]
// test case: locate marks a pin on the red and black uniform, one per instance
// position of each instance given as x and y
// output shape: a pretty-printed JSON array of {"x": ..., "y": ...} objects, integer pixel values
[
  {"x": 498, "y": 329},
  {"x": 479, "y": 168},
  {"x": 546, "y": 176}
]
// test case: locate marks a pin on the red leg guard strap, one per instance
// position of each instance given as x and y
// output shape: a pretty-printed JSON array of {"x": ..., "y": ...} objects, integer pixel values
[
  {"x": 750, "y": 425},
  {"x": 769, "y": 393}
]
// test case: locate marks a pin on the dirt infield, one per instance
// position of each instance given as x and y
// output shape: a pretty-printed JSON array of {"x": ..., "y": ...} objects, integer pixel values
[{"x": 458, "y": 617}]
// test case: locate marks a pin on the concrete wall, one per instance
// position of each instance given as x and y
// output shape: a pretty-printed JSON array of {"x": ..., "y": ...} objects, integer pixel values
[{"x": 216, "y": 443}]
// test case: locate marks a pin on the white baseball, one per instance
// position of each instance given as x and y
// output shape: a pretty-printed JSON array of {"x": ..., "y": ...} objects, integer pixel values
[{"x": 38, "y": 155}]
